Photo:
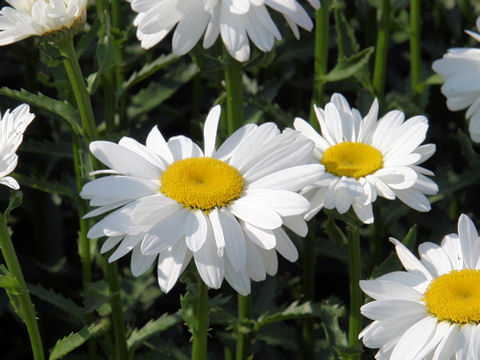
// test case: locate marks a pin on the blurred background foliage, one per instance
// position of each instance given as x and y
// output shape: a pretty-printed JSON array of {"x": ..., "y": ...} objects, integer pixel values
[{"x": 175, "y": 93}]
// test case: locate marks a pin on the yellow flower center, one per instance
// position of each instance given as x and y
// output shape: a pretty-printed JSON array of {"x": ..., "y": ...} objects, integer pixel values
[
  {"x": 352, "y": 159},
  {"x": 202, "y": 183},
  {"x": 455, "y": 297}
]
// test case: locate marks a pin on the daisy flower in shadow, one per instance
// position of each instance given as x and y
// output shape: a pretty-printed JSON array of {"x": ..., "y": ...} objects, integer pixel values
[
  {"x": 25, "y": 18},
  {"x": 460, "y": 69},
  {"x": 12, "y": 126},
  {"x": 431, "y": 310},
  {"x": 366, "y": 158},
  {"x": 235, "y": 21},
  {"x": 223, "y": 207}
]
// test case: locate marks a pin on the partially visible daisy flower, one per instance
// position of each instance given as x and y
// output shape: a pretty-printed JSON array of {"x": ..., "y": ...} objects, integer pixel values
[
  {"x": 364, "y": 158},
  {"x": 224, "y": 208},
  {"x": 432, "y": 310},
  {"x": 460, "y": 69},
  {"x": 235, "y": 20},
  {"x": 25, "y": 18},
  {"x": 12, "y": 126}
]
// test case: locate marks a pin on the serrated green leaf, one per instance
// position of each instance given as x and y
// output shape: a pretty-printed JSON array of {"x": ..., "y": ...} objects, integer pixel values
[
  {"x": 9, "y": 282},
  {"x": 105, "y": 58},
  {"x": 346, "y": 41},
  {"x": 96, "y": 295},
  {"x": 46, "y": 186},
  {"x": 59, "y": 301},
  {"x": 293, "y": 311},
  {"x": 348, "y": 67},
  {"x": 149, "y": 69},
  {"x": 139, "y": 336},
  {"x": 16, "y": 198},
  {"x": 60, "y": 108},
  {"x": 330, "y": 311},
  {"x": 74, "y": 340}
]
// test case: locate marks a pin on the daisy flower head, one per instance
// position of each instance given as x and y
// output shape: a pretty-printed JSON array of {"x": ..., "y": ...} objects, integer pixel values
[
  {"x": 12, "y": 126},
  {"x": 364, "y": 158},
  {"x": 236, "y": 21},
  {"x": 431, "y": 310},
  {"x": 25, "y": 18},
  {"x": 222, "y": 207},
  {"x": 460, "y": 69}
]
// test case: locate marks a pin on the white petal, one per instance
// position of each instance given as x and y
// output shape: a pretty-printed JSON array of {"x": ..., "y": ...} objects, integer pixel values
[
  {"x": 255, "y": 214},
  {"x": 414, "y": 339},
  {"x": 196, "y": 230},
  {"x": 210, "y": 130},
  {"x": 210, "y": 266},
  {"x": 234, "y": 239},
  {"x": 469, "y": 241},
  {"x": 285, "y": 246},
  {"x": 156, "y": 142},
  {"x": 170, "y": 265},
  {"x": 140, "y": 263},
  {"x": 409, "y": 261},
  {"x": 127, "y": 244},
  {"x": 285, "y": 203}
]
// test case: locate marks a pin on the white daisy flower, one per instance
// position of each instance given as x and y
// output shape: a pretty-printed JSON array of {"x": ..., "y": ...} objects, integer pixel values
[
  {"x": 364, "y": 158},
  {"x": 12, "y": 126},
  {"x": 460, "y": 69},
  {"x": 25, "y": 18},
  {"x": 432, "y": 310},
  {"x": 235, "y": 20},
  {"x": 225, "y": 208}
]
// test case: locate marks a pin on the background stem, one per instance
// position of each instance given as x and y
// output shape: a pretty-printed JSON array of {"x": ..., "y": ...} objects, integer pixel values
[
  {"x": 244, "y": 341},
  {"x": 234, "y": 87},
  {"x": 381, "y": 51},
  {"x": 354, "y": 268},
  {"x": 415, "y": 61},
  {"x": 200, "y": 322}
]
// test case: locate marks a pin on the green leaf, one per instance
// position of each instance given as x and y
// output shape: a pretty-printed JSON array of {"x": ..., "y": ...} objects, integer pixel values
[
  {"x": 16, "y": 198},
  {"x": 467, "y": 149},
  {"x": 139, "y": 336},
  {"x": 348, "y": 67},
  {"x": 60, "y": 108},
  {"x": 46, "y": 186},
  {"x": 9, "y": 282},
  {"x": 330, "y": 311},
  {"x": 293, "y": 311},
  {"x": 97, "y": 294},
  {"x": 74, "y": 340},
  {"x": 48, "y": 148},
  {"x": 59, "y": 301},
  {"x": 105, "y": 59},
  {"x": 346, "y": 41},
  {"x": 149, "y": 69}
]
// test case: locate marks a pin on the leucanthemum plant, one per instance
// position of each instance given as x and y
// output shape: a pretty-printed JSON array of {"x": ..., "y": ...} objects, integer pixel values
[
  {"x": 12, "y": 126},
  {"x": 432, "y": 310},
  {"x": 224, "y": 208},
  {"x": 460, "y": 69},
  {"x": 236, "y": 21},
  {"x": 366, "y": 158},
  {"x": 25, "y": 18}
]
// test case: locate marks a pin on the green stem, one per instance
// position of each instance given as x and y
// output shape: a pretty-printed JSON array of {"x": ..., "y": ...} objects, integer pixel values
[
  {"x": 415, "y": 61},
  {"x": 244, "y": 341},
  {"x": 234, "y": 87},
  {"x": 354, "y": 268},
  {"x": 322, "y": 28},
  {"x": 380, "y": 68},
  {"x": 25, "y": 305},
  {"x": 117, "y": 22},
  {"x": 77, "y": 82},
  {"x": 121, "y": 349},
  {"x": 200, "y": 322},
  {"x": 308, "y": 278}
]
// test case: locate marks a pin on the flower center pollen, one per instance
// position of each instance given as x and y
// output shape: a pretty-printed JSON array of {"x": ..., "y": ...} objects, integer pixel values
[
  {"x": 352, "y": 159},
  {"x": 202, "y": 183},
  {"x": 455, "y": 297}
]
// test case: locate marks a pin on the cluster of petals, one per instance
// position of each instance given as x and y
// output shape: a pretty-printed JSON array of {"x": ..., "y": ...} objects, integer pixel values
[
  {"x": 397, "y": 140},
  {"x": 12, "y": 126},
  {"x": 403, "y": 327},
  {"x": 460, "y": 69},
  {"x": 237, "y": 242},
  {"x": 234, "y": 20},
  {"x": 25, "y": 18}
]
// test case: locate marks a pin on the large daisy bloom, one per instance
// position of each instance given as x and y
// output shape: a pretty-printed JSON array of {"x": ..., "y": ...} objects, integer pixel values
[
  {"x": 460, "y": 69},
  {"x": 12, "y": 126},
  {"x": 364, "y": 158},
  {"x": 25, "y": 18},
  {"x": 224, "y": 208},
  {"x": 235, "y": 20},
  {"x": 432, "y": 310}
]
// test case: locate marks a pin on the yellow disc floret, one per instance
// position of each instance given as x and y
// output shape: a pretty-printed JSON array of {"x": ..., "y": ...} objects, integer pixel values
[
  {"x": 202, "y": 183},
  {"x": 455, "y": 297},
  {"x": 352, "y": 159}
]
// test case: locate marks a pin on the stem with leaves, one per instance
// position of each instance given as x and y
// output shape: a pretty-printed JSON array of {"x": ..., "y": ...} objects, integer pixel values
[
  {"x": 380, "y": 68},
  {"x": 354, "y": 269},
  {"x": 19, "y": 292}
]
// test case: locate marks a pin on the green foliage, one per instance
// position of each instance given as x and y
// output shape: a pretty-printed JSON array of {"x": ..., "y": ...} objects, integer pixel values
[{"x": 349, "y": 66}]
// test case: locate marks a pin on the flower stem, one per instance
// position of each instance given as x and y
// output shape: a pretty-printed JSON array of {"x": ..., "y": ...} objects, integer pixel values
[
  {"x": 77, "y": 82},
  {"x": 200, "y": 322},
  {"x": 308, "y": 277},
  {"x": 234, "y": 87},
  {"x": 354, "y": 269},
  {"x": 322, "y": 28},
  {"x": 26, "y": 309},
  {"x": 415, "y": 63},
  {"x": 244, "y": 341},
  {"x": 380, "y": 68},
  {"x": 121, "y": 349},
  {"x": 117, "y": 22}
]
